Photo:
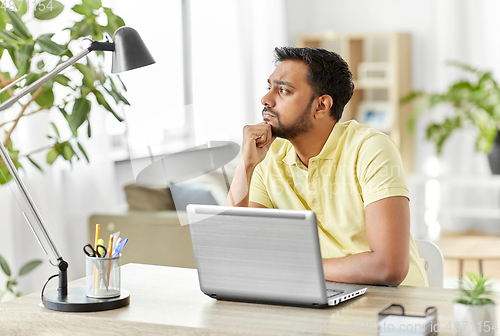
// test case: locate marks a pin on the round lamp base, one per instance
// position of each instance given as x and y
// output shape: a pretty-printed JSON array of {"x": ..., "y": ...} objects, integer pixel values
[{"x": 77, "y": 301}]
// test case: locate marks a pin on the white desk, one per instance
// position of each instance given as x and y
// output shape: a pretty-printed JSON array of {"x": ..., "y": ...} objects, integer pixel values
[{"x": 168, "y": 301}]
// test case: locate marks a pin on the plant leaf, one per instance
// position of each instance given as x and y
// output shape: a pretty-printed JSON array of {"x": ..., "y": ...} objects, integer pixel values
[
  {"x": 83, "y": 152},
  {"x": 4, "y": 19},
  {"x": 117, "y": 96},
  {"x": 114, "y": 21},
  {"x": 102, "y": 101},
  {"x": 18, "y": 25},
  {"x": 63, "y": 80},
  {"x": 82, "y": 29},
  {"x": 462, "y": 66},
  {"x": 94, "y": 4},
  {"x": 88, "y": 78},
  {"x": 52, "y": 156},
  {"x": 64, "y": 113},
  {"x": 4, "y": 175},
  {"x": 56, "y": 130},
  {"x": 23, "y": 56},
  {"x": 49, "y": 11},
  {"x": 82, "y": 10},
  {"x": 32, "y": 77},
  {"x": 80, "y": 112},
  {"x": 23, "y": 8},
  {"x": 67, "y": 151},
  {"x": 46, "y": 98},
  {"x": 8, "y": 37},
  {"x": 4, "y": 265},
  {"x": 10, "y": 286},
  {"x": 29, "y": 266},
  {"x": 35, "y": 164},
  {"x": 46, "y": 44}
]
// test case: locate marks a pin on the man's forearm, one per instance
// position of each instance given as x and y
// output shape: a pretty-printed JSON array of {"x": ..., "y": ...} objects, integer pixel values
[
  {"x": 240, "y": 186},
  {"x": 366, "y": 268}
]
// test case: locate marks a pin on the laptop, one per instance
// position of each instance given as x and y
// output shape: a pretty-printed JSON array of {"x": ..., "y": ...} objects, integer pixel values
[{"x": 262, "y": 256}]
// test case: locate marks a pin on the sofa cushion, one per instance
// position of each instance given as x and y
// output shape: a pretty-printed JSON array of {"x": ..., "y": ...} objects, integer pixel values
[
  {"x": 148, "y": 199},
  {"x": 189, "y": 194}
]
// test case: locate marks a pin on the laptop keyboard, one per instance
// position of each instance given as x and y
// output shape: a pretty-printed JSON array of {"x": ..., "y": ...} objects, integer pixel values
[{"x": 332, "y": 292}]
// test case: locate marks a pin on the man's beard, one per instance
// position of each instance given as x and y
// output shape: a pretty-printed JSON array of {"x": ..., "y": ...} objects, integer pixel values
[{"x": 300, "y": 126}]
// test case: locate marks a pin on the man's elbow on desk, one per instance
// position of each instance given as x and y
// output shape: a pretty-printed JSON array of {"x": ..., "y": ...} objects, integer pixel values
[
  {"x": 394, "y": 276},
  {"x": 366, "y": 268}
]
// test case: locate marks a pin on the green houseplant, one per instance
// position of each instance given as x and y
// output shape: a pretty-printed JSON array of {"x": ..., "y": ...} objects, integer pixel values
[
  {"x": 476, "y": 103},
  {"x": 475, "y": 307},
  {"x": 27, "y": 53},
  {"x": 12, "y": 285}
]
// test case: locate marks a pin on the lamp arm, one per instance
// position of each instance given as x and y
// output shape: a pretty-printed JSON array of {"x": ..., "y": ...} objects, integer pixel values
[
  {"x": 30, "y": 88},
  {"x": 38, "y": 218},
  {"x": 61, "y": 263}
]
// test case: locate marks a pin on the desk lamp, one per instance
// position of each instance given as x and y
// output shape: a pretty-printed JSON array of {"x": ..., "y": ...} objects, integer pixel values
[{"x": 129, "y": 52}]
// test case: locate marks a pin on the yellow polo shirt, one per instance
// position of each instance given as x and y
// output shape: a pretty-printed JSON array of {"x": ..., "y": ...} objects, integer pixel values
[{"x": 358, "y": 165}]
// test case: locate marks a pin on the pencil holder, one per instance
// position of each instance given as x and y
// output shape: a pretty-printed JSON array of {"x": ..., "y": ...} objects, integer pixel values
[{"x": 103, "y": 277}]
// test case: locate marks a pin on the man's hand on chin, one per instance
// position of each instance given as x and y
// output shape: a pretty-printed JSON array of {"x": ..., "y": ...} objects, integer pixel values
[{"x": 257, "y": 140}]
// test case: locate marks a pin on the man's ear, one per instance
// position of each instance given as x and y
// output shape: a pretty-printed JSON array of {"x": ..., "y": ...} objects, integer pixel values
[{"x": 325, "y": 102}]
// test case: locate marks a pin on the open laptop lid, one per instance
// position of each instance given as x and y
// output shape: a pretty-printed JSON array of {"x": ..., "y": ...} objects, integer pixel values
[{"x": 258, "y": 255}]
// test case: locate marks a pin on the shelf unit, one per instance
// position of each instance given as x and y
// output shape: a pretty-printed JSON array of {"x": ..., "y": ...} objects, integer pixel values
[{"x": 382, "y": 73}]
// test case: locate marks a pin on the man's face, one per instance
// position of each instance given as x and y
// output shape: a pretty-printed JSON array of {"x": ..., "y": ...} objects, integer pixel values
[{"x": 287, "y": 105}]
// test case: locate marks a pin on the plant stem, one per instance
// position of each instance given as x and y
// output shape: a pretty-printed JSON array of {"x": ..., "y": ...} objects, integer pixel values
[
  {"x": 2, "y": 163},
  {"x": 27, "y": 155},
  {"x": 48, "y": 107},
  {"x": 3, "y": 80},
  {"x": 24, "y": 107},
  {"x": 37, "y": 150}
]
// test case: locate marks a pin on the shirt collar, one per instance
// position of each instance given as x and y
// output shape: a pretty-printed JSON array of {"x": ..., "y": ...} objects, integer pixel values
[
  {"x": 328, "y": 150},
  {"x": 291, "y": 156}
]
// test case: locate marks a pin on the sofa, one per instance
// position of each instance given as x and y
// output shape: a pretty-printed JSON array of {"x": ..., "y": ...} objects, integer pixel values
[
  {"x": 155, "y": 220},
  {"x": 155, "y": 237}
]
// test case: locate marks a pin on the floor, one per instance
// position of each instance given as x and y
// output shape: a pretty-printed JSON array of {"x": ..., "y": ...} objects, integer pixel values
[{"x": 452, "y": 245}]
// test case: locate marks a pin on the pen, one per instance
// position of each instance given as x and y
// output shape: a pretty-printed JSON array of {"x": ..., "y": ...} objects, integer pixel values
[
  {"x": 97, "y": 230},
  {"x": 120, "y": 247},
  {"x": 115, "y": 235},
  {"x": 96, "y": 275},
  {"x": 110, "y": 254}
]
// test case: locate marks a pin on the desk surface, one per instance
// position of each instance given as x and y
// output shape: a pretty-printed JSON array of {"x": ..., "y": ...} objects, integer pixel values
[{"x": 167, "y": 300}]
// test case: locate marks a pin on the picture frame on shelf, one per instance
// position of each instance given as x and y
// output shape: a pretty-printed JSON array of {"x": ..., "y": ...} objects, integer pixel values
[{"x": 376, "y": 114}]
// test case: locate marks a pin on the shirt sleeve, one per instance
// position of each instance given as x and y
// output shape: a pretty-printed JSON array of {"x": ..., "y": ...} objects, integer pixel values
[
  {"x": 380, "y": 169},
  {"x": 258, "y": 189}
]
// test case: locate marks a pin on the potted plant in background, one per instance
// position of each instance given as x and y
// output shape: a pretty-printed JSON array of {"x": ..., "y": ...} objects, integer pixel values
[
  {"x": 29, "y": 54},
  {"x": 475, "y": 102},
  {"x": 12, "y": 285},
  {"x": 474, "y": 307}
]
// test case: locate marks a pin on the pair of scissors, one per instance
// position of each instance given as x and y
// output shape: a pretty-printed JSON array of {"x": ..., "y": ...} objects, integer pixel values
[{"x": 99, "y": 252}]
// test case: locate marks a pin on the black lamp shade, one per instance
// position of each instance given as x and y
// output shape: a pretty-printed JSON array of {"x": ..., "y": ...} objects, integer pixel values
[{"x": 130, "y": 51}]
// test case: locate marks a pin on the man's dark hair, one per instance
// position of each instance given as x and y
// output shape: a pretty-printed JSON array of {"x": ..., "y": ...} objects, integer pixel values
[{"x": 328, "y": 74}]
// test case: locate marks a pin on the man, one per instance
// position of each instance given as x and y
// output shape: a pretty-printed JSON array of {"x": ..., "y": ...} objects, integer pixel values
[{"x": 349, "y": 174}]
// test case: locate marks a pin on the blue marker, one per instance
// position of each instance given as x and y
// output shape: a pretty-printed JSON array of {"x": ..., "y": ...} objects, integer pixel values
[{"x": 120, "y": 247}]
